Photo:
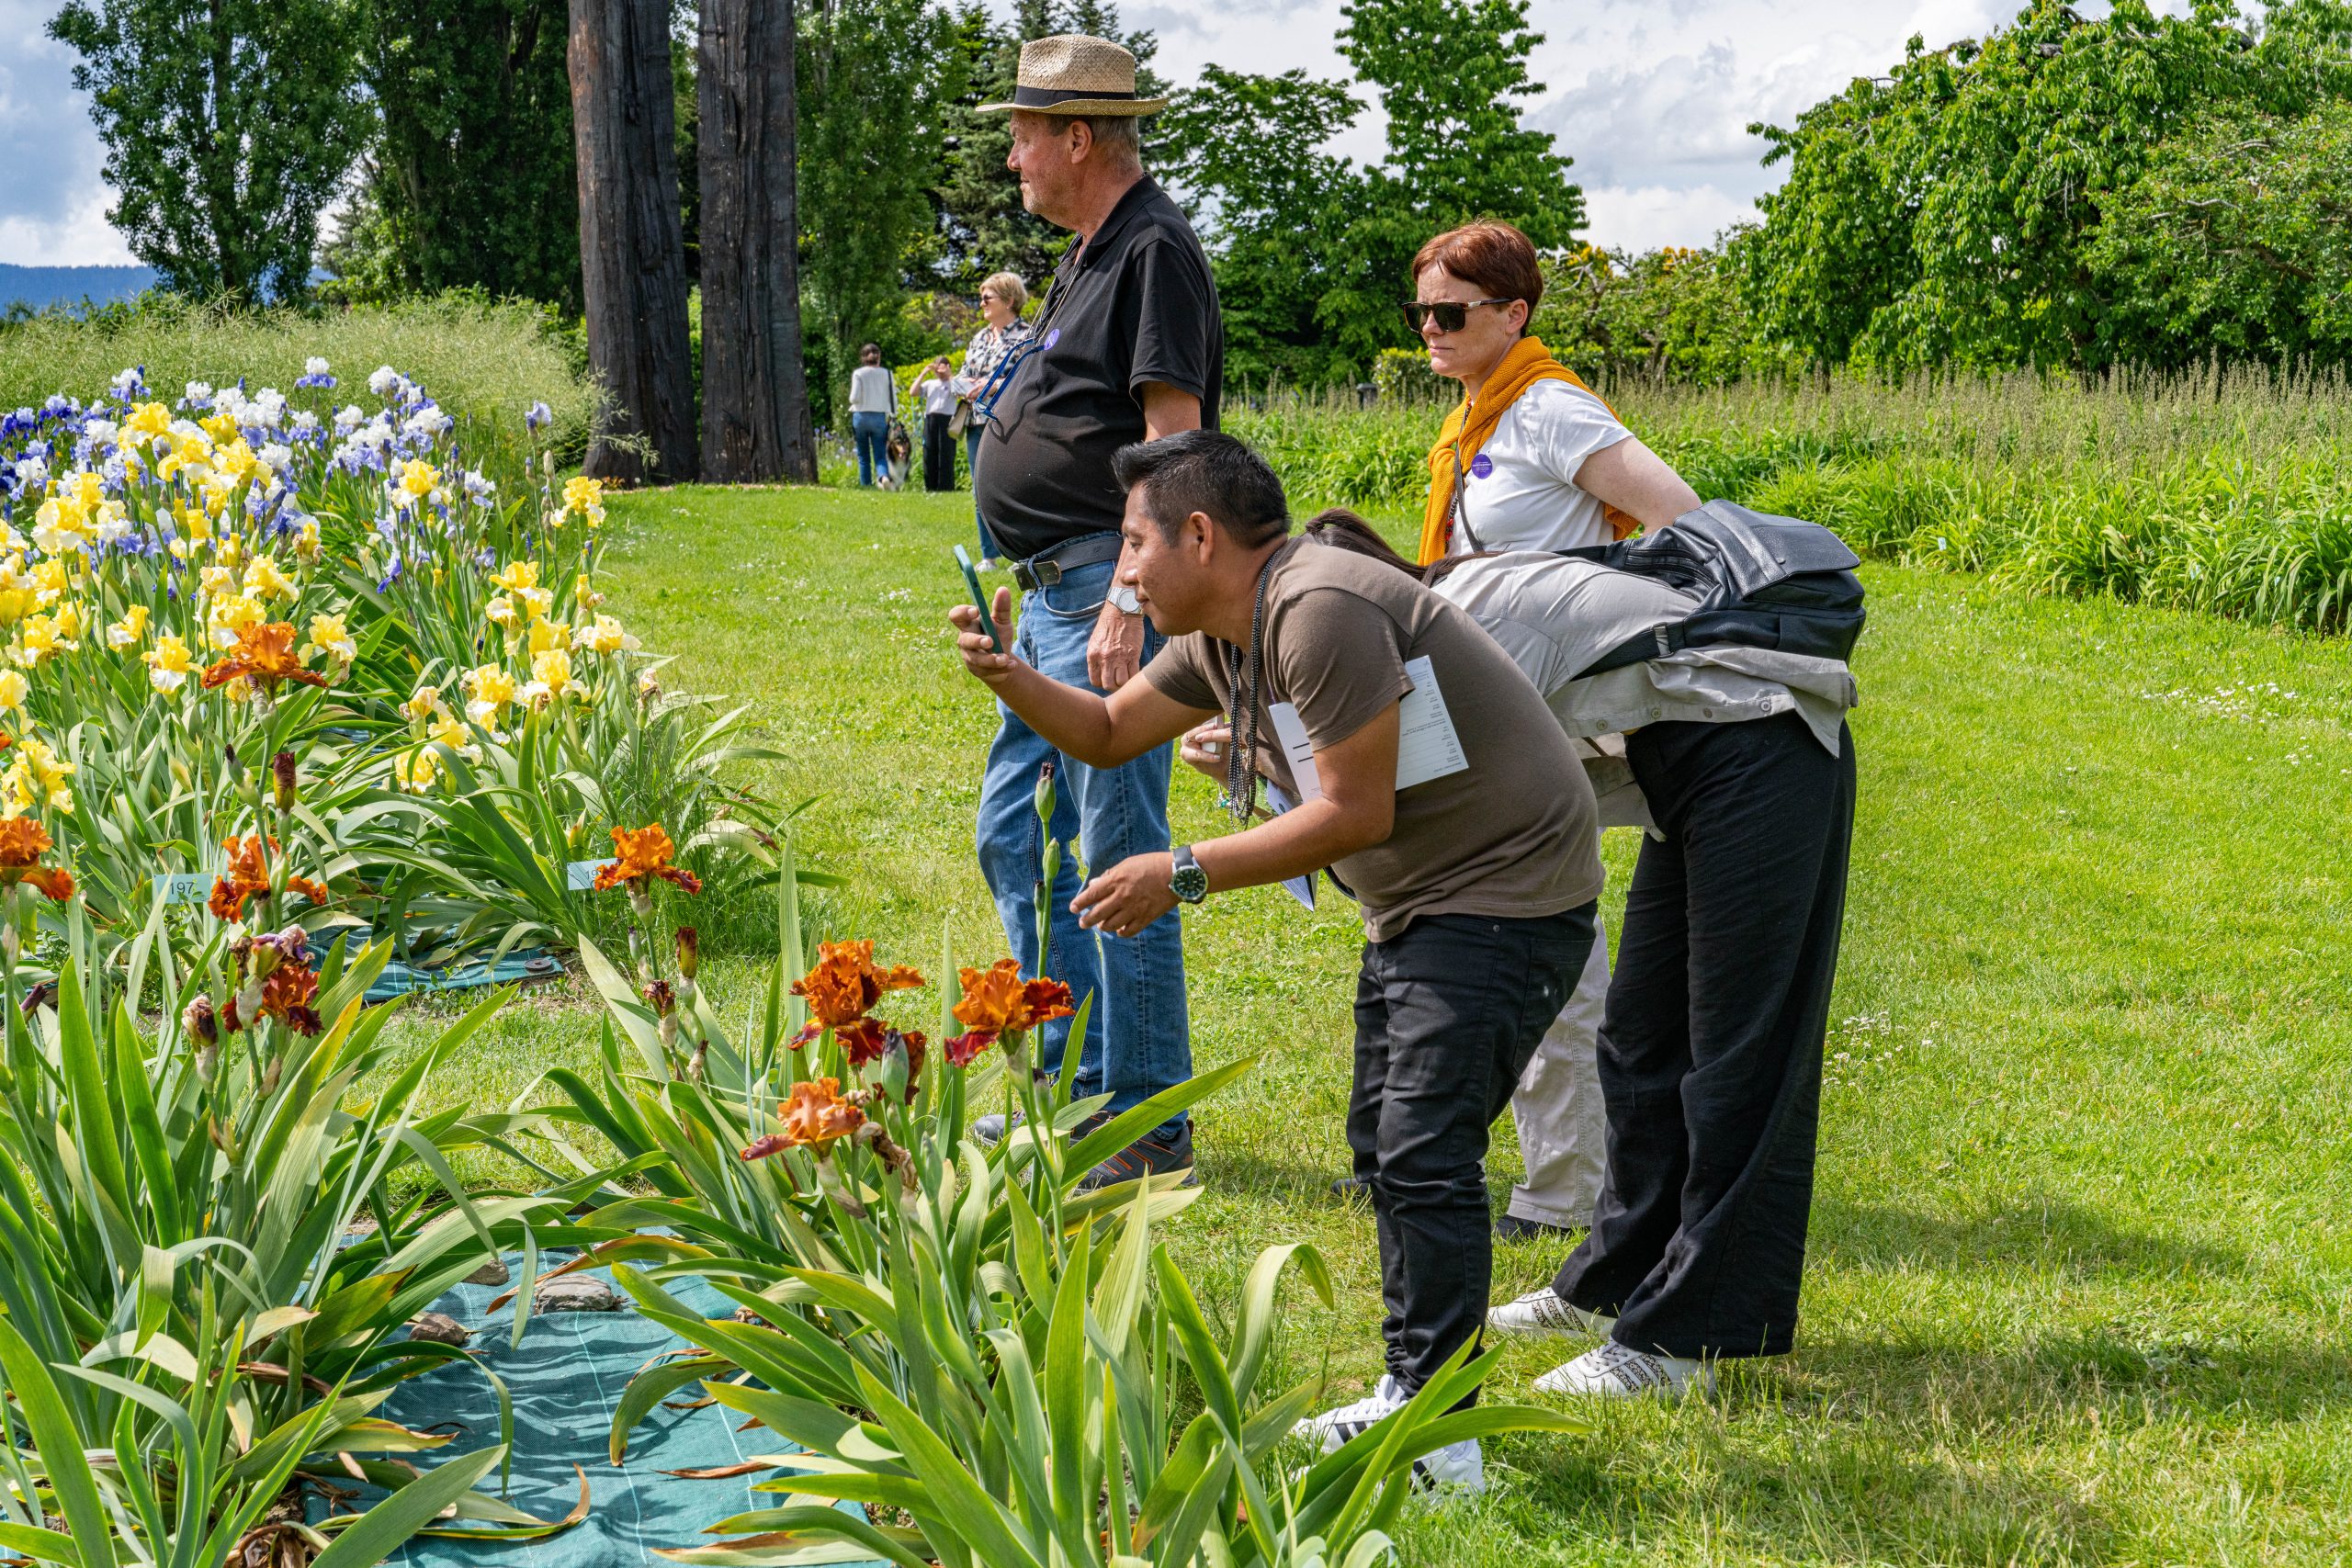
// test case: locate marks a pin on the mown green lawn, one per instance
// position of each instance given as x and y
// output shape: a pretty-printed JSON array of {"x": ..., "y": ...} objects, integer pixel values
[{"x": 2077, "y": 1287}]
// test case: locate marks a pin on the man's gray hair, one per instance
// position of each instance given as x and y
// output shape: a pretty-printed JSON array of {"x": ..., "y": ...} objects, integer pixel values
[{"x": 1118, "y": 134}]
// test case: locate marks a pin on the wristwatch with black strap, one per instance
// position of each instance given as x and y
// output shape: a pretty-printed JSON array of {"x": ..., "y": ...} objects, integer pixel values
[{"x": 1188, "y": 881}]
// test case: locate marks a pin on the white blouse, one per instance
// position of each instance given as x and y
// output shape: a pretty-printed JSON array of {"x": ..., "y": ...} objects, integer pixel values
[{"x": 1520, "y": 492}]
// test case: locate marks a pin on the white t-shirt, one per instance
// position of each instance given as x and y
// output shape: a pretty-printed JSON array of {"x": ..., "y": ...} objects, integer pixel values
[
  {"x": 938, "y": 395},
  {"x": 871, "y": 389},
  {"x": 1526, "y": 497}
]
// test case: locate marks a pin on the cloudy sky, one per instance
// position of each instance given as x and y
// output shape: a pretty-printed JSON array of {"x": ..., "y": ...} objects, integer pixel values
[{"x": 1651, "y": 98}]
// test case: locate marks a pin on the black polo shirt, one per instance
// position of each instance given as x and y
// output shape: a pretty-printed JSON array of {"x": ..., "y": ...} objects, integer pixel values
[{"x": 1137, "y": 303}]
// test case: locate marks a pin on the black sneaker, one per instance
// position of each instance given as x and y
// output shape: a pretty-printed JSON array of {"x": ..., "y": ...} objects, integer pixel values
[
  {"x": 1351, "y": 1187},
  {"x": 1519, "y": 1228},
  {"x": 1151, "y": 1155}
]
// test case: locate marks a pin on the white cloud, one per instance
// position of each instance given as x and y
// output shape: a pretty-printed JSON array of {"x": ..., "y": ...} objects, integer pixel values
[
  {"x": 82, "y": 237},
  {"x": 1644, "y": 218}
]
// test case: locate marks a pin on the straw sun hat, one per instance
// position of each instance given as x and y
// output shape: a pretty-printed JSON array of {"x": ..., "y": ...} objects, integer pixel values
[{"x": 1072, "y": 73}]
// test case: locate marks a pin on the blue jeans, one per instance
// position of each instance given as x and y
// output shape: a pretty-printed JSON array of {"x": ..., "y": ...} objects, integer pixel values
[
  {"x": 1138, "y": 1040},
  {"x": 873, "y": 432},
  {"x": 972, "y": 467}
]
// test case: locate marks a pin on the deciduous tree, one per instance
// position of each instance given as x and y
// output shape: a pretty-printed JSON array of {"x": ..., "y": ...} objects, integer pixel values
[
  {"x": 1449, "y": 73},
  {"x": 1247, "y": 152},
  {"x": 471, "y": 182},
  {"x": 228, "y": 125}
]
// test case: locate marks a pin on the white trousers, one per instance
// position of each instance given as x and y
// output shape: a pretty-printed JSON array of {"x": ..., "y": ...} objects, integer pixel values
[{"x": 1562, "y": 1130}]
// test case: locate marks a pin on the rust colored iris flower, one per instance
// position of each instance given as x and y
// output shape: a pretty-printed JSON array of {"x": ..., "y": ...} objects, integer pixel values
[
  {"x": 22, "y": 843},
  {"x": 814, "y": 1117},
  {"x": 290, "y": 995},
  {"x": 639, "y": 856},
  {"x": 265, "y": 656},
  {"x": 248, "y": 878},
  {"x": 846, "y": 982},
  {"x": 998, "y": 1002}
]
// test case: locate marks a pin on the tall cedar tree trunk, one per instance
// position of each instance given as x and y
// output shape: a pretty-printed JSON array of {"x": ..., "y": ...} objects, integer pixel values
[
  {"x": 755, "y": 417},
  {"x": 632, "y": 254}
]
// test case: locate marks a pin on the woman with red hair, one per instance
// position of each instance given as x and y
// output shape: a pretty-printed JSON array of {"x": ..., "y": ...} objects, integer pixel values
[{"x": 1533, "y": 459}]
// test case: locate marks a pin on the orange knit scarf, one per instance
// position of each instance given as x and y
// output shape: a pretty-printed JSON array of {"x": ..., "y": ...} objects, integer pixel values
[{"x": 1467, "y": 427}]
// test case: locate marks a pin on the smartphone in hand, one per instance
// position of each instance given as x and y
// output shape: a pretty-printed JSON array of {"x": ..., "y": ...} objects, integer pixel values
[{"x": 980, "y": 600}]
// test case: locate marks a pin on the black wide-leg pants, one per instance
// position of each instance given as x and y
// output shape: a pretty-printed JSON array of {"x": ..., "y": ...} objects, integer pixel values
[
  {"x": 1448, "y": 1012},
  {"x": 938, "y": 453},
  {"x": 1709, "y": 1046}
]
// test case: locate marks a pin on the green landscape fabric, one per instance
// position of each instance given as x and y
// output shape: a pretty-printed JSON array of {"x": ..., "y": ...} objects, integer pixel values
[{"x": 565, "y": 1379}]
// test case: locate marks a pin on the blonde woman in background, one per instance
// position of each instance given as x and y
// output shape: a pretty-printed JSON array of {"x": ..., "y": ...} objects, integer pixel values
[{"x": 1002, "y": 332}]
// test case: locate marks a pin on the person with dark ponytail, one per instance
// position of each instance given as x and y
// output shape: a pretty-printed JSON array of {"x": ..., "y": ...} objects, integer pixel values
[{"x": 1742, "y": 772}]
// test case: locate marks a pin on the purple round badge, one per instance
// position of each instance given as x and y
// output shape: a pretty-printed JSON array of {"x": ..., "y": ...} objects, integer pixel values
[
  {"x": 1053, "y": 337},
  {"x": 1481, "y": 466}
]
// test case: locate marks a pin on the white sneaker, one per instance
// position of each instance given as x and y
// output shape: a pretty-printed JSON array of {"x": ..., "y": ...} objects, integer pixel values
[
  {"x": 1542, "y": 1314},
  {"x": 1458, "y": 1468},
  {"x": 1611, "y": 1371},
  {"x": 1334, "y": 1429}
]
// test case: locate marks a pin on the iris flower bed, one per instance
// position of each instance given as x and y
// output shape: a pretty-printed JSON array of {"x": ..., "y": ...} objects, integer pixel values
[{"x": 192, "y": 586}]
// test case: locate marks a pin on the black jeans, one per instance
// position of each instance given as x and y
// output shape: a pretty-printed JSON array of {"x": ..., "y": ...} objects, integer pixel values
[
  {"x": 1447, "y": 1015},
  {"x": 938, "y": 453},
  {"x": 1710, "y": 1044}
]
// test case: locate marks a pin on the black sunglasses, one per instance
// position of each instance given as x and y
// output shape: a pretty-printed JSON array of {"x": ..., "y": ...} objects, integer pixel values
[{"x": 1451, "y": 315}]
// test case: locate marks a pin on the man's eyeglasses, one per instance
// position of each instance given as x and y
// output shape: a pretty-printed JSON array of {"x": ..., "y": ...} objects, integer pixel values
[{"x": 1451, "y": 315}]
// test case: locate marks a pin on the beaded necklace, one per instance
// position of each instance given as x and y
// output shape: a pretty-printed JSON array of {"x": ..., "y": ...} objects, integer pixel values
[{"x": 1242, "y": 675}]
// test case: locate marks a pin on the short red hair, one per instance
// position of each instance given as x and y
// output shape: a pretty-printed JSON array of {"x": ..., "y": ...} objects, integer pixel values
[{"x": 1489, "y": 254}]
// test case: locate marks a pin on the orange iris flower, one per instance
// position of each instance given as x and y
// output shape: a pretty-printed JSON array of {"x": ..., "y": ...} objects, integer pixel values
[
  {"x": 266, "y": 654},
  {"x": 641, "y": 855},
  {"x": 815, "y": 1117},
  {"x": 998, "y": 1001},
  {"x": 22, "y": 843},
  {"x": 248, "y": 878},
  {"x": 846, "y": 982}
]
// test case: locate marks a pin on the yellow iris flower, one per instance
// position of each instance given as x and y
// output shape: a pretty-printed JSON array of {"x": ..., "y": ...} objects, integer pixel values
[
  {"x": 492, "y": 690},
  {"x": 168, "y": 664},
  {"x": 329, "y": 635}
]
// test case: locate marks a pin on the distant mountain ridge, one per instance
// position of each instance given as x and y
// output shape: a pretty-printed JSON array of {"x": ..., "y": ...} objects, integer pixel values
[{"x": 40, "y": 286}]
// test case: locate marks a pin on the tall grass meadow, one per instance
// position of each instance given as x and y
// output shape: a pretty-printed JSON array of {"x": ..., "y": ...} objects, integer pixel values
[
  {"x": 486, "y": 361},
  {"x": 2223, "y": 490}
]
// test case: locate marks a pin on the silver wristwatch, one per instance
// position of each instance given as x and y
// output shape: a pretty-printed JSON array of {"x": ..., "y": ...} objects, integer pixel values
[
  {"x": 1186, "y": 879},
  {"x": 1124, "y": 596}
]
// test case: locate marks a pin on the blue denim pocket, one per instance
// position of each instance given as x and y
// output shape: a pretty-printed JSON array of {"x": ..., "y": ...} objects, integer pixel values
[{"x": 1079, "y": 595}]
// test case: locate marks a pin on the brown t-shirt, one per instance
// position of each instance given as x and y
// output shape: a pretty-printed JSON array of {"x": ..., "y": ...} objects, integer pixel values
[{"x": 1512, "y": 835}]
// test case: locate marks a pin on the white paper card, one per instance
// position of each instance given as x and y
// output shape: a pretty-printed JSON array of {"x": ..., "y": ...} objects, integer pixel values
[
  {"x": 1302, "y": 888},
  {"x": 1291, "y": 731},
  {"x": 1427, "y": 746}
]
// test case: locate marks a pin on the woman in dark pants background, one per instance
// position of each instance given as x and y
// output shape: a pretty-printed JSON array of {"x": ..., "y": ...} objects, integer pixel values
[{"x": 936, "y": 393}]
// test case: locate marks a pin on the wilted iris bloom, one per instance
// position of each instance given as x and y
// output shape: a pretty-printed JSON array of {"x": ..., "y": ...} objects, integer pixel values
[{"x": 537, "y": 416}]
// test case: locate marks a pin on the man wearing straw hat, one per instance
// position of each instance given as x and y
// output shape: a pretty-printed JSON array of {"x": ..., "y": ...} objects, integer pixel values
[{"x": 1128, "y": 347}]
